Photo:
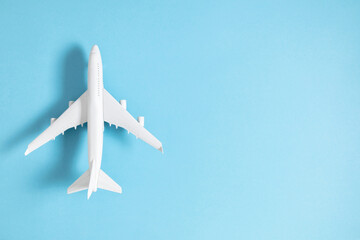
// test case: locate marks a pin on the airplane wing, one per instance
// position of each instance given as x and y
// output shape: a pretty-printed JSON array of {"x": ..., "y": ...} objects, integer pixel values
[
  {"x": 116, "y": 114},
  {"x": 75, "y": 115}
]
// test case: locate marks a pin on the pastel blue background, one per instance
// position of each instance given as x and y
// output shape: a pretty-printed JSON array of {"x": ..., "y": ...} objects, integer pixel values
[{"x": 257, "y": 104}]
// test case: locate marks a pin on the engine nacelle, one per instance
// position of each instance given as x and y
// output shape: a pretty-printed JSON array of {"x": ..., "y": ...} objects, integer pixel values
[
  {"x": 141, "y": 120},
  {"x": 70, "y": 103},
  {"x": 52, "y": 120},
  {"x": 123, "y": 103}
]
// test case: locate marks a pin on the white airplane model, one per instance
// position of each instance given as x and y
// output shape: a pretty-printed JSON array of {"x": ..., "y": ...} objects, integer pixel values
[{"x": 95, "y": 106}]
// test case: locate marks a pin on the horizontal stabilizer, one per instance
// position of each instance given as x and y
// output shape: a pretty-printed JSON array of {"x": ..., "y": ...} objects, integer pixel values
[
  {"x": 80, "y": 184},
  {"x": 106, "y": 183}
]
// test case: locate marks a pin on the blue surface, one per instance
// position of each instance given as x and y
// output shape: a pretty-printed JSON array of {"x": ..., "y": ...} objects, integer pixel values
[{"x": 257, "y": 105}]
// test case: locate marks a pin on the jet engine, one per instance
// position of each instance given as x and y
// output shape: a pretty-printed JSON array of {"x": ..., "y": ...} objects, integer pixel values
[
  {"x": 52, "y": 120},
  {"x": 141, "y": 120},
  {"x": 123, "y": 103}
]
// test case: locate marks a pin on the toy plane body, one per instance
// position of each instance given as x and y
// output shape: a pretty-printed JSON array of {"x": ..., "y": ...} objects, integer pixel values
[{"x": 95, "y": 106}]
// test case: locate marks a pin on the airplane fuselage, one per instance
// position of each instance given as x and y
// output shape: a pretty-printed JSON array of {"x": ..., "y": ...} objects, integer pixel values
[{"x": 95, "y": 114}]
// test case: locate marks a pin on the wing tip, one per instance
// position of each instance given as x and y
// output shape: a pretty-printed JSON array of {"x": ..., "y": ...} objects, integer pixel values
[
  {"x": 119, "y": 189},
  {"x": 27, "y": 152}
]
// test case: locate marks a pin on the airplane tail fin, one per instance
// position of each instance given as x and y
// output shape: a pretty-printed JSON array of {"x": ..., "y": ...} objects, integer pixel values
[{"x": 85, "y": 181}]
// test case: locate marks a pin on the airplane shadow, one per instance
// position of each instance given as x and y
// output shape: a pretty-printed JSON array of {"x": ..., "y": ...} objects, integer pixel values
[
  {"x": 73, "y": 78},
  {"x": 72, "y": 84}
]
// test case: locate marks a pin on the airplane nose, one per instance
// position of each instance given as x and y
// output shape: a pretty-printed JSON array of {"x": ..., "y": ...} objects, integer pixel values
[{"x": 95, "y": 49}]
